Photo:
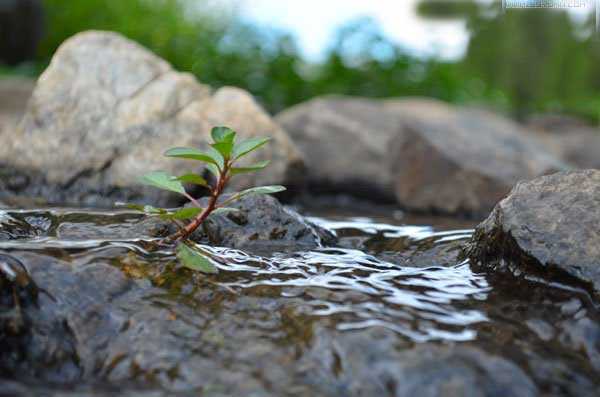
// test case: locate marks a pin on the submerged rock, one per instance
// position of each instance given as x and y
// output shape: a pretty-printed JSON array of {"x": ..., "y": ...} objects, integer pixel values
[
  {"x": 368, "y": 367},
  {"x": 104, "y": 111},
  {"x": 546, "y": 226}
]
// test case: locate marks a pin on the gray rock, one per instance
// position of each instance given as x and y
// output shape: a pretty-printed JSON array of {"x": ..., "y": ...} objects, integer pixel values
[
  {"x": 367, "y": 367},
  {"x": 428, "y": 155},
  {"x": 263, "y": 224},
  {"x": 568, "y": 139},
  {"x": 105, "y": 110},
  {"x": 453, "y": 160},
  {"x": 345, "y": 143},
  {"x": 190, "y": 336},
  {"x": 546, "y": 226}
]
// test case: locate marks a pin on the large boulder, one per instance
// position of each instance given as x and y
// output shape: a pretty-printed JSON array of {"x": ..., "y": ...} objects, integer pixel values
[
  {"x": 430, "y": 156},
  {"x": 454, "y": 160},
  {"x": 14, "y": 95},
  {"x": 567, "y": 138},
  {"x": 105, "y": 110},
  {"x": 345, "y": 143},
  {"x": 547, "y": 226}
]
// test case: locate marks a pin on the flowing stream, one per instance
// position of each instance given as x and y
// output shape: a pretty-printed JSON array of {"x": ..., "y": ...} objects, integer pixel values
[{"x": 395, "y": 284}]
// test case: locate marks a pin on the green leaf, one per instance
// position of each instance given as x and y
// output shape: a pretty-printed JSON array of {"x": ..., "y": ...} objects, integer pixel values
[
  {"x": 224, "y": 148},
  {"x": 223, "y": 210},
  {"x": 146, "y": 209},
  {"x": 245, "y": 147},
  {"x": 213, "y": 170},
  {"x": 263, "y": 190},
  {"x": 222, "y": 134},
  {"x": 254, "y": 190},
  {"x": 193, "y": 178},
  {"x": 193, "y": 259},
  {"x": 191, "y": 154},
  {"x": 162, "y": 180},
  {"x": 136, "y": 207},
  {"x": 186, "y": 213},
  {"x": 218, "y": 158},
  {"x": 251, "y": 168}
]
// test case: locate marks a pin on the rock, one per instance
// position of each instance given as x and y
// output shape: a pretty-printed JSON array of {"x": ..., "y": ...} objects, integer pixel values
[
  {"x": 263, "y": 224},
  {"x": 345, "y": 143},
  {"x": 14, "y": 94},
  {"x": 192, "y": 336},
  {"x": 111, "y": 108},
  {"x": 568, "y": 139},
  {"x": 451, "y": 160},
  {"x": 546, "y": 226},
  {"x": 430, "y": 156},
  {"x": 369, "y": 368}
]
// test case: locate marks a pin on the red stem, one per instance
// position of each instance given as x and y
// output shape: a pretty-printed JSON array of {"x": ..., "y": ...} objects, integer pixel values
[{"x": 201, "y": 217}]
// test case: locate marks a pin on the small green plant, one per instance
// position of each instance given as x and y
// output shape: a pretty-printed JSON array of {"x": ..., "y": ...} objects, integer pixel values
[{"x": 221, "y": 159}]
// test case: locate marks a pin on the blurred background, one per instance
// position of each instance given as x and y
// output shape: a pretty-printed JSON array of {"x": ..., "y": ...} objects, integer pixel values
[{"x": 519, "y": 62}]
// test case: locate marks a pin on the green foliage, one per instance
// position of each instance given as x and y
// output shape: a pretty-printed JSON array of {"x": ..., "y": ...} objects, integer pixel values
[
  {"x": 194, "y": 259},
  {"x": 162, "y": 180},
  {"x": 222, "y": 155},
  {"x": 518, "y": 61}
]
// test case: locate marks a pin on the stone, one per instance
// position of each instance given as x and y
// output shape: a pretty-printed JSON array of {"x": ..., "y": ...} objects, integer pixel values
[
  {"x": 425, "y": 154},
  {"x": 369, "y": 368},
  {"x": 345, "y": 142},
  {"x": 460, "y": 161},
  {"x": 569, "y": 139},
  {"x": 547, "y": 226},
  {"x": 263, "y": 224},
  {"x": 108, "y": 108}
]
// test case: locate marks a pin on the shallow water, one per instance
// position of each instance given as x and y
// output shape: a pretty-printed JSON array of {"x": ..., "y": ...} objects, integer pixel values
[{"x": 389, "y": 272}]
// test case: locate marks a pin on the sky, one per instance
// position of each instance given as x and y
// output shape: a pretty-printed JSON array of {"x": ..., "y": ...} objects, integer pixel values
[{"x": 313, "y": 22}]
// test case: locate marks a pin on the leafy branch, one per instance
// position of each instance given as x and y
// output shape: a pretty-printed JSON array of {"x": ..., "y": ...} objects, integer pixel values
[{"x": 220, "y": 159}]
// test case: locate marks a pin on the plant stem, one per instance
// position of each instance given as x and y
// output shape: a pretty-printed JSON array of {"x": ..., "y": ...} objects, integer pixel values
[{"x": 201, "y": 217}]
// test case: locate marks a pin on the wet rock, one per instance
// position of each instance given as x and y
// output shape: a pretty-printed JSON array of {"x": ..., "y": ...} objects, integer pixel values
[
  {"x": 17, "y": 292},
  {"x": 568, "y": 139},
  {"x": 110, "y": 108},
  {"x": 345, "y": 141},
  {"x": 546, "y": 226},
  {"x": 263, "y": 224},
  {"x": 428, "y": 155},
  {"x": 364, "y": 365},
  {"x": 192, "y": 336},
  {"x": 453, "y": 160}
]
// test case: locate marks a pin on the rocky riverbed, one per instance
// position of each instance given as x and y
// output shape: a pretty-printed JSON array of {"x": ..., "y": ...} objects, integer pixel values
[
  {"x": 383, "y": 309},
  {"x": 423, "y": 249}
]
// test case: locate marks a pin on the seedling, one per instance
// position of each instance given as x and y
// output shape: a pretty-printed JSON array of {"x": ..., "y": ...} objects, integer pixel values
[{"x": 220, "y": 159}]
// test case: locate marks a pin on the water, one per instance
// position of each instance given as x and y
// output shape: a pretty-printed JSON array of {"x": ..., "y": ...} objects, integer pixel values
[{"x": 402, "y": 276}]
